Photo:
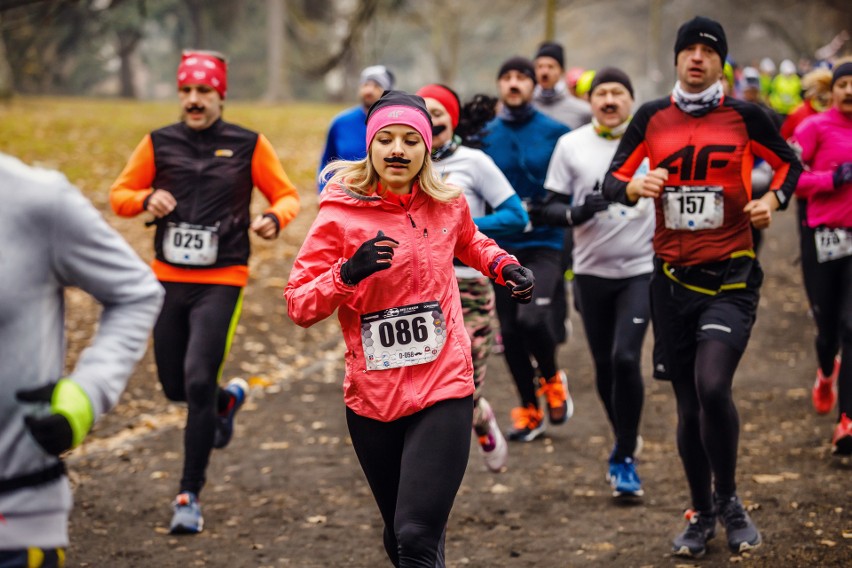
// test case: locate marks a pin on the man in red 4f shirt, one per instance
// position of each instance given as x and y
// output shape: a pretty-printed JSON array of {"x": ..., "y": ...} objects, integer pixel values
[{"x": 705, "y": 287}]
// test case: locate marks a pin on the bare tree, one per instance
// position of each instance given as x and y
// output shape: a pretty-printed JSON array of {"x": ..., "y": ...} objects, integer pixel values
[{"x": 277, "y": 87}]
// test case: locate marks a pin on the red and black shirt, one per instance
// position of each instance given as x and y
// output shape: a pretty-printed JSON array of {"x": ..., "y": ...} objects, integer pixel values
[{"x": 714, "y": 150}]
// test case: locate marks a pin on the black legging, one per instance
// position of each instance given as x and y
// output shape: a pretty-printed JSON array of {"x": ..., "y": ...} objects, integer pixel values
[
  {"x": 527, "y": 329},
  {"x": 414, "y": 466},
  {"x": 191, "y": 341},
  {"x": 708, "y": 426},
  {"x": 616, "y": 313}
]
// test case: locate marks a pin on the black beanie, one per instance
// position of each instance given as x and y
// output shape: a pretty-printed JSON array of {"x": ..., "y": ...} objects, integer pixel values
[
  {"x": 705, "y": 31},
  {"x": 841, "y": 70},
  {"x": 551, "y": 49},
  {"x": 612, "y": 75},
  {"x": 400, "y": 98},
  {"x": 520, "y": 64}
]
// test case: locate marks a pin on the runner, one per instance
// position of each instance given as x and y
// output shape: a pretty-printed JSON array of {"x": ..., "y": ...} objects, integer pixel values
[
  {"x": 380, "y": 252},
  {"x": 706, "y": 280},
  {"x": 520, "y": 140},
  {"x": 485, "y": 188},
  {"x": 612, "y": 264},
  {"x": 196, "y": 178},
  {"x": 345, "y": 138},
  {"x": 55, "y": 239},
  {"x": 551, "y": 95},
  {"x": 825, "y": 141}
]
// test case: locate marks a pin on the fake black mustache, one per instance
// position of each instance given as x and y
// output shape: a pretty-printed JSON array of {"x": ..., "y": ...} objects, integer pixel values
[
  {"x": 194, "y": 108},
  {"x": 397, "y": 160},
  {"x": 438, "y": 128},
  {"x": 609, "y": 108}
]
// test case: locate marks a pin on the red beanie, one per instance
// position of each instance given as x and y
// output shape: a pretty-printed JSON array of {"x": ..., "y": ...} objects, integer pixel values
[
  {"x": 444, "y": 96},
  {"x": 203, "y": 68}
]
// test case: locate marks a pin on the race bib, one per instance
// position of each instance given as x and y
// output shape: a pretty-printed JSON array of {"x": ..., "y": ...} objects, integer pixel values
[
  {"x": 192, "y": 245},
  {"x": 832, "y": 244},
  {"x": 693, "y": 207},
  {"x": 403, "y": 336}
]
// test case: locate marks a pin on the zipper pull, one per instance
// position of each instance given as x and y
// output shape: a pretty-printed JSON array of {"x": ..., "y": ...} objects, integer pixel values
[
  {"x": 413, "y": 225},
  {"x": 425, "y": 233}
]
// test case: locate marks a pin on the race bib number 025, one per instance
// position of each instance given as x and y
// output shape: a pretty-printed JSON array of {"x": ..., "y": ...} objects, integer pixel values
[
  {"x": 403, "y": 336},
  {"x": 693, "y": 207},
  {"x": 193, "y": 245}
]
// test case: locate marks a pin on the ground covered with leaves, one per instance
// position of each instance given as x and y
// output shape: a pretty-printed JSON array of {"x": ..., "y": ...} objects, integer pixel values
[{"x": 288, "y": 491}]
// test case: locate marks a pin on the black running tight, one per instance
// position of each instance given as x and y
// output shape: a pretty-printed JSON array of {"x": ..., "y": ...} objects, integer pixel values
[
  {"x": 708, "y": 426},
  {"x": 191, "y": 341},
  {"x": 615, "y": 316},
  {"x": 414, "y": 466}
]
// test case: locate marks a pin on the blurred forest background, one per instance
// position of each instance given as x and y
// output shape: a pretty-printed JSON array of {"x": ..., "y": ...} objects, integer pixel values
[{"x": 281, "y": 50}]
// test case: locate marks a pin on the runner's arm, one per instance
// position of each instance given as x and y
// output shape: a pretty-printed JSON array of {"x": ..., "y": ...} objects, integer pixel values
[
  {"x": 269, "y": 177},
  {"x": 128, "y": 194}
]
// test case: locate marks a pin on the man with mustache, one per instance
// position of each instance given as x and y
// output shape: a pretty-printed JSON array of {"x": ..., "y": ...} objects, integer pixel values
[
  {"x": 612, "y": 264},
  {"x": 551, "y": 95},
  {"x": 345, "y": 138},
  {"x": 196, "y": 178},
  {"x": 520, "y": 140},
  {"x": 706, "y": 281}
]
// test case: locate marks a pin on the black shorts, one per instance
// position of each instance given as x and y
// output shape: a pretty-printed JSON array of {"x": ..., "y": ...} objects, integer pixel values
[{"x": 683, "y": 317}]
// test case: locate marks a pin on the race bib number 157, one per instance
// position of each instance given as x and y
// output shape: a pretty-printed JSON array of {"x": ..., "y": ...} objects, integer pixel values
[
  {"x": 693, "y": 208},
  {"x": 403, "y": 336}
]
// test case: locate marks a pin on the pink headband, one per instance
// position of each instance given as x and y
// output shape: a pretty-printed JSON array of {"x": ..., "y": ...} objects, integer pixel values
[{"x": 400, "y": 114}]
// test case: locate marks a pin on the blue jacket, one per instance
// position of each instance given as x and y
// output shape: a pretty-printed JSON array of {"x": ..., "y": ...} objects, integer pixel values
[
  {"x": 346, "y": 139},
  {"x": 522, "y": 152}
]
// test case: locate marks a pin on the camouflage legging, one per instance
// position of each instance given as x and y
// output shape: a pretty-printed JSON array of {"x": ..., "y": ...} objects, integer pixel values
[{"x": 477, "y": 300}]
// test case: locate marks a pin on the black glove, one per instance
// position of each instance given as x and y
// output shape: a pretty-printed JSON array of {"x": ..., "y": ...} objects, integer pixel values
[
  {"x": 594, "y": 202},
  {"x": 368, "y": 259},
  {"x": 53, "y": 431},
  {"x": 550, "y": 213},
  {"x": 842, "y": 175},
  {"x": 520, "y": 282}
]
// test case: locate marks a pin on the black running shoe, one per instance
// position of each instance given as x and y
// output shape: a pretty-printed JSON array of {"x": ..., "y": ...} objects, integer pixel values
[
  {"x": 742, "y": 534},
  {"x": 692, "y": 541}
]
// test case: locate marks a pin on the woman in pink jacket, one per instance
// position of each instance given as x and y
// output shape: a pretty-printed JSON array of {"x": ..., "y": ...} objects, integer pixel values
[
  {"x": 826, "y": 144},
  {"x": 380, "y": 252}
]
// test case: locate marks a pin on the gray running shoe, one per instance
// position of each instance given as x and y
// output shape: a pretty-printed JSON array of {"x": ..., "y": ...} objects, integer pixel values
[
  {"x": 742, "y": 534},
  {"x": 692, "y": 541},
  {"x": 187, "y": 518}
]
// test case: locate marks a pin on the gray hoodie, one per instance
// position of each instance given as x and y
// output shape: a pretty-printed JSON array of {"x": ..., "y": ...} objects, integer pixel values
[{"x": 51, "y": 238}]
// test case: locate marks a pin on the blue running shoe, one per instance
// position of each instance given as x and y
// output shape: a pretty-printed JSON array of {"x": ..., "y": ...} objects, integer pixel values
[
  {"x": 187, "y": 518},
  {"x": 742, "y": 534},
  {"x": 238, "y": 389},
  {"x": 623, "y": 479}
]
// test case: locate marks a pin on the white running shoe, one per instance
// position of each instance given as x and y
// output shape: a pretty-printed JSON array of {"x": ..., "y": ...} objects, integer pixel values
[{"x": 492, "y": 444}]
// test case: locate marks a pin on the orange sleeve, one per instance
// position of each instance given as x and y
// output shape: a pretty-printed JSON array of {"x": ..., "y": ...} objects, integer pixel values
[
  {"x": 269, "y": 177},
  {"x": 133, "y": 185}
]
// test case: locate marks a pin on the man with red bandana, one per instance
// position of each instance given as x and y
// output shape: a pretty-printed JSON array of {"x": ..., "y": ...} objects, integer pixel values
[
  {"x": 196, "y": 178},
  {"x": 706, "y": 281}
]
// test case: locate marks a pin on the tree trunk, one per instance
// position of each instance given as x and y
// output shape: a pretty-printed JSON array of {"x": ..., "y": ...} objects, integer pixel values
[
  {"x": 6, "y": 80},
  {"x": 277, "y": 87}
]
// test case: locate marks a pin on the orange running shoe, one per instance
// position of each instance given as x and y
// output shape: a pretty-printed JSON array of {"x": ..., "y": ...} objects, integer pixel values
[
  {"x": 527, "y": 424},
  {"x": 824, "y": 393},
  {"x": 841, "y": 443},
  {"x": 560, "y": 405}
]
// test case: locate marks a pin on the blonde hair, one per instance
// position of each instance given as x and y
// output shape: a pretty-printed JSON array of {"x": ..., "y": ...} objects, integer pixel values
[{"x": 360, "y": 177}]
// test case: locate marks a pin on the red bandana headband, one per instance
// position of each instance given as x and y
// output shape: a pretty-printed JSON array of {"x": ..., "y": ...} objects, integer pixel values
[{"x": 199, "y": 68}]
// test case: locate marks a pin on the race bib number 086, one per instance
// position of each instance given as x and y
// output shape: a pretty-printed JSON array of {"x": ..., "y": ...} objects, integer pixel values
[
  {"x": 693, "y": 208},
  {"x": 403, "y": 336}
]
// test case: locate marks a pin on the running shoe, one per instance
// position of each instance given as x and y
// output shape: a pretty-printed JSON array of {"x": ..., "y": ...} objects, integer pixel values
[
  {"x": 824, "y": 393},
  {"x": 238, "y": 389},
  {"x": 742, "y": 534},
  {"x": 492, "y": 444},
  {"x": 841, "y": 443},
  {"x": 623, "y": 479},
  {"x": 560, "y": 405},
  {"x": 527, "y": 424},
  {"x": 187, "y": 518},
  {"x": 692, "y": 541}
]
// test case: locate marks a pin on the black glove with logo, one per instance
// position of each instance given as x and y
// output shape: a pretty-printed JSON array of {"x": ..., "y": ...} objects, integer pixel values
[
  {"x": 842, "y": 175},
  {"x": 520, "y": 282},
  {"x": 52, "y": 432},
  {"x": 372, "y": 256},
  {"x": 594, "y": 202}
]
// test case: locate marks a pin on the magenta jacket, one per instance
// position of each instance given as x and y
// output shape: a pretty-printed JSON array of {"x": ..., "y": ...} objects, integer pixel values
[
  {"x": 826, "y": 142},
  {"x": 430, "y": 234}
]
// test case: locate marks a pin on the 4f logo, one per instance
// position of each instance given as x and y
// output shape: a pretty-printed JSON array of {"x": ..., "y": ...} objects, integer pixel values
[
  {"x": 395, "y": 113},
  {"x": 688, "y": 165}
]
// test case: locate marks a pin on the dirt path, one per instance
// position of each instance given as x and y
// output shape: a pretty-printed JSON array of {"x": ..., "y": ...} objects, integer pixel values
[{"x": 289, "y": 492}]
